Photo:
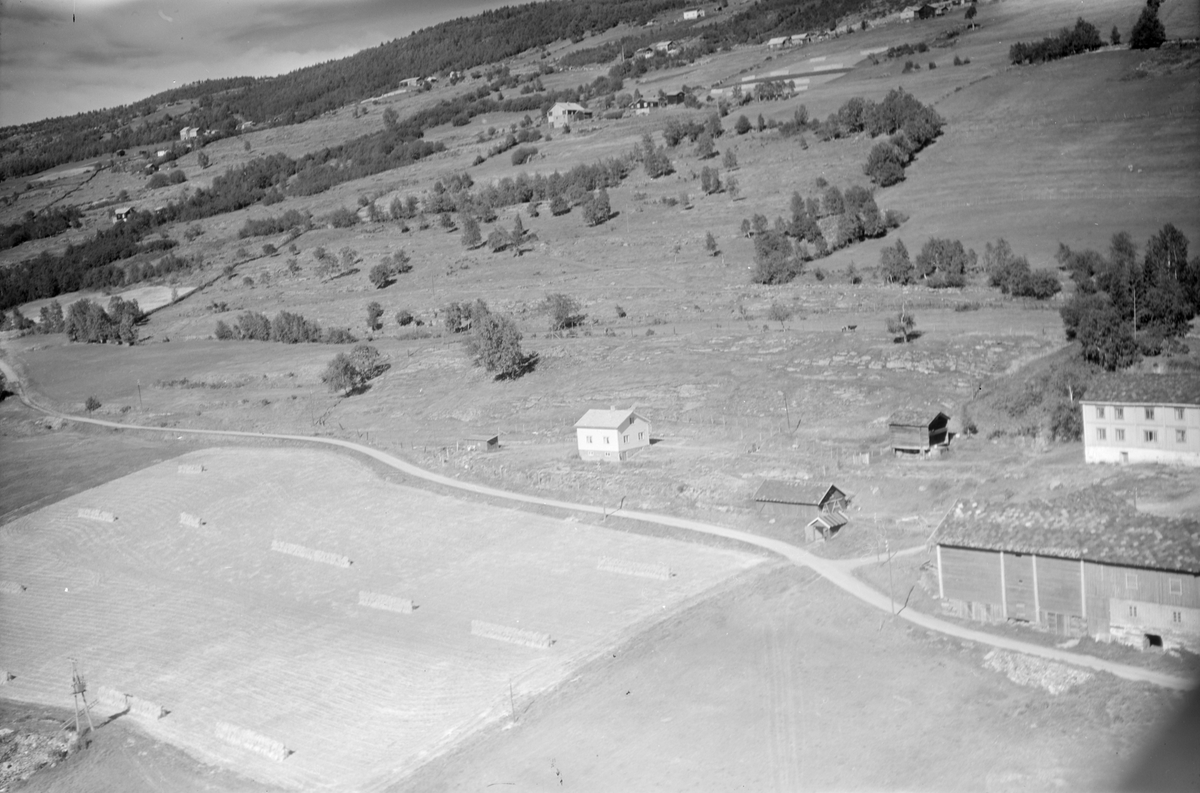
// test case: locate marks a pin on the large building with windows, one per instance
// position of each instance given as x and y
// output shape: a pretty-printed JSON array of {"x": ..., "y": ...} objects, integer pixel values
[
  {"x": 1089, "y": 567},
  {"x": 1143, "y": 419}
]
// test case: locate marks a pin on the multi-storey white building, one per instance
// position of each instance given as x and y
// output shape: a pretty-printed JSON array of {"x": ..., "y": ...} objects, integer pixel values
[
  {"x": 1143, "y": 419},
  {"x": 612, "y": 434}
]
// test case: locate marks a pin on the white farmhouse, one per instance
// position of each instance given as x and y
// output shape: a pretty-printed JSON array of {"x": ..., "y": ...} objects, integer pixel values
[
  {"x": 611, "y": 434},
  {"x": 1143, "y": 419},
  {"x": 693, "y": 13},
  {"x": 564, "y": 113}
]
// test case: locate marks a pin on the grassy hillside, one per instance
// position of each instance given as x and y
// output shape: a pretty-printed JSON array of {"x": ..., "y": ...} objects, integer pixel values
[{"x": 1037, "y": 155}]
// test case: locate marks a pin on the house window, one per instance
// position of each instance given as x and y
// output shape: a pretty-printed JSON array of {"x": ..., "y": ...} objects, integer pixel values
[
  {"x": 1118, "y": 413},
  {"x": 1179, "y": 414},
  {"x": 607, "y": 439},
  {"x": 1175, "y": 586},
  {"x": 641, "y": 436},
  {"x": 1181, "y": 436},
  {"x": 589, "y": 439},
  {"x": 1149, "y": 414},
  {"x": 1101, "y": 433},
  {"x": 1099, "y": 411},
  {"x": 627, "y": 439},
  {"x": 1120, "y": 434},
  {"x": 1133, "y": 611},
  {"x": 1176, "y": 616},
  {"x": 1151, "y": 436},
  {"x": 1131, "y": 580}
]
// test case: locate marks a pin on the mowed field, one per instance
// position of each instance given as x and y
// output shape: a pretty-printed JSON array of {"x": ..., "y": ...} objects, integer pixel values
[
  {"x": 211, "y": 624},
  {"x": 786, "y": 684}
]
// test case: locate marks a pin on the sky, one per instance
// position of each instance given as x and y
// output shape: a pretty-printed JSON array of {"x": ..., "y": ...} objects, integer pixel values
[{"x": 119, "y": 51}]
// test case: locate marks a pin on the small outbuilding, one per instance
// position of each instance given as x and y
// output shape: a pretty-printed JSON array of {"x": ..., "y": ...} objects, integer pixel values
[
  {"x": 917, "y": 431},
  {"x": 612, "y": 434},
  {"x": 819, "y": 507},
  {"x": 482, "y": 443}
]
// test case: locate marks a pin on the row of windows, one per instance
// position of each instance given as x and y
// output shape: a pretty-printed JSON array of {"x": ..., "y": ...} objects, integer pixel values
[
  {"x": 1119, "y": 413},
  {"x": 1174, "y": 585},
  {"x": 641, "y": 436},
  {"x": 1176, "y": 616},
  {"x": 1148, "y": 436}
]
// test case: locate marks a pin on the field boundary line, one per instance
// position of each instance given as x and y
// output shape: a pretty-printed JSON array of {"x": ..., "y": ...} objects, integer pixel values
[{"x": 832, "y": 570}]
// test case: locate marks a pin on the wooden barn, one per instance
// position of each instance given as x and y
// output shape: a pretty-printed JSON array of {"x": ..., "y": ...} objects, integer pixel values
[
  {"x": 1096, "y": 567},
  {"x": 916, "y": 431},
  {"x": 482, "y": 443},
  {"x": 818, "y": 507}
]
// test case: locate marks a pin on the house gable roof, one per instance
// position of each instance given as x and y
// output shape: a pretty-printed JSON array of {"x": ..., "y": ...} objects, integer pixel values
[
  {"x": 777, "y": 491},
  {"x": 1095, "y": 527},
  {"x": 596, "y": 419},
  {"x": 1146, "y": 389},
  {"x": 568, "y": 106}
]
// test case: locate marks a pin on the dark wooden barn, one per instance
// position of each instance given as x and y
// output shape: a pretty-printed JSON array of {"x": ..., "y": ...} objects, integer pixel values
[
  {"x": 916, "y": 431},
  {"x": 819, "y": 508},
  {"x": 1097, "y": 568}
]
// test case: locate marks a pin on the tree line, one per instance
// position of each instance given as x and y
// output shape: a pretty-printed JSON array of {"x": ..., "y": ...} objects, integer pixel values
[
  {"x": 35, "y": 226},
  {"x": 1128, "y": 305}
]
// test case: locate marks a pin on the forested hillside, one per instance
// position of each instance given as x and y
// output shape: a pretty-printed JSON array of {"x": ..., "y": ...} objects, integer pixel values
[{"x": 457, "y": 45}]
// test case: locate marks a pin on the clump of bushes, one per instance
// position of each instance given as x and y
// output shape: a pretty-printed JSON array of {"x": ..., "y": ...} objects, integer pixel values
[
  {"x": 1014, "y": 276},
  {"x": 285, "y": 327},
  {"x": 350, "y": 372},
  {"x": 292, "y": 219},
  {"x": 1084, "y": 37}
]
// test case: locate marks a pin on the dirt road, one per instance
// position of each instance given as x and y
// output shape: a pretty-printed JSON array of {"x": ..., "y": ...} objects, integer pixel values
[{"x": 836, "y": 572}]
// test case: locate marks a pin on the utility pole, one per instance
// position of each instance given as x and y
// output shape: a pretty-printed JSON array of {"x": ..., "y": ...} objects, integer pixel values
[
  {"x": 141, "y": 407},
  {"x": 79, "y": 692}
]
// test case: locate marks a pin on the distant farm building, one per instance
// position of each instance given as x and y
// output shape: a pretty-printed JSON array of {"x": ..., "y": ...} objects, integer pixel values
[
  {"x": 675, "y": 98},
  {"x": 818, "y": 507},
  {"x": 189, "y": 133},
  {"x": 1143, "y": 419},
  {"x": 611, "y": 434},
  {"x": 693, "y": 13},
  {"x": 121, "y": 215},
  {"x": 923, "y": 11},
  {"x": 642, "y": 107},
  {"x": 645, "y": 53},
  {"x": 482, "y": 443},
  {"x": 667, "y": 47},
  {"x": 563, "y": 113},
  {"x": 1101, "y": 569},
  {"x": 915, "y": 431}
]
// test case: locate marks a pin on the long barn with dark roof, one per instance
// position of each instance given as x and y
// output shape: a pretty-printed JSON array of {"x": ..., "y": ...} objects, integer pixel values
[{"x": 1096, "y": 568}]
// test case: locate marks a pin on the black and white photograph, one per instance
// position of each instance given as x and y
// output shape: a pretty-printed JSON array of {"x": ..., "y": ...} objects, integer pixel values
[{"x": 616, "y": 396}]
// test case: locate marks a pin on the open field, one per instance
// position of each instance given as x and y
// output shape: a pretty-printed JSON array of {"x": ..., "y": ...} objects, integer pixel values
[
  {"x": 787, "y": 685},
  {"x": 213, "y": 626}
]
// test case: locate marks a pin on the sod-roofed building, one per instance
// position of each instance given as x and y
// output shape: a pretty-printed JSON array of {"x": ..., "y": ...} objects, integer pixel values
[
  {"x": 1143, "y": 418},
  {"x": 818, "y": 507},
  {"x": 1093, "y": 566}
]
